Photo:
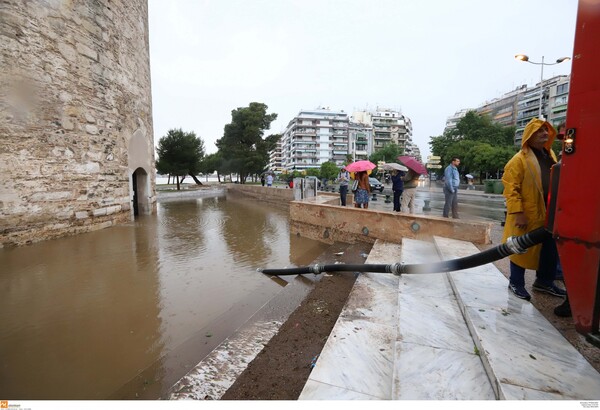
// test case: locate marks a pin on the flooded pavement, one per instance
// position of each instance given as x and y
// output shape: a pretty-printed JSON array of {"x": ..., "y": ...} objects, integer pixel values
[{"x": 98, "y": 315}]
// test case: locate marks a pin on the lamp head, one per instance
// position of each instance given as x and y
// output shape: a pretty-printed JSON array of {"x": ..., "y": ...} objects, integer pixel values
[
  {"x": 522, "y": 57},
  {"x": 560, "y": 60}
]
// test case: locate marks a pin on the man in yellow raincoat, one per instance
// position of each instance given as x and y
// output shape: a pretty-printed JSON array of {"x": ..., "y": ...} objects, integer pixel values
[{"x": 526, "y": 183}]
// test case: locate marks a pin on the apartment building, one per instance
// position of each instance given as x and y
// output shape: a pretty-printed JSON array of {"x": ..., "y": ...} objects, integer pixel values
[
  {"x": 276, "y": 158},
  {"x": 528, "y": 105},
  {"x": 454, "y": 119},
  {"x": 361, "y": 140},
  {"x": 503, "y": 110},
  {"x": 516, "y": 108},
  {"x": 388, "y": 127},
  {"x": 314, "y": 137},
  {"x": 558, "y": 97}
]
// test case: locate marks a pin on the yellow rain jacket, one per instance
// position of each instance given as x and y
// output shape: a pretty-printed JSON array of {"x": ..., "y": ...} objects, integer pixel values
[{"x": 524, "y": 192}]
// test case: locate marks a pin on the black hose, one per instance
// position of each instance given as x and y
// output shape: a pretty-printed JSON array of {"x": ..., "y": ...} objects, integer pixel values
[{"x": 514, "y": 244}]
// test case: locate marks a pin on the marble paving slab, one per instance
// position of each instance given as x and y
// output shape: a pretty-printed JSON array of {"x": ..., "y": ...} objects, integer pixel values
[
  {"x": 532, "y": 354},
  {"x": 428, "y": 373},
  {"x": 434, "y": 322},
  {"x": 357, "y": 359},
  {"x": 415, "y": 251},
  {"x": 358, "y": 356},
  {"x": 426, "y": 285},
  {"x": 320, "y": 391},
  {"x": 374, "y": 297},
  {"x": 524, "y": 355},
  {"x": 435, "y": 354}
]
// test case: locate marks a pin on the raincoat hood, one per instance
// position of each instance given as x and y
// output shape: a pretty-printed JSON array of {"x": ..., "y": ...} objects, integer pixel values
[{"x": 534, "y": 125}]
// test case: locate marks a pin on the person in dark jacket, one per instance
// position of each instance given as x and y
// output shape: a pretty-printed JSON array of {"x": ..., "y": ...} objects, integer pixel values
[{"x": 397, "y": 188}]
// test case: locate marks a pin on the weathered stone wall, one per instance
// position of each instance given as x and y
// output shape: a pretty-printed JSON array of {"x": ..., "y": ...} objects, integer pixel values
[{"x": 76, "y": 109}]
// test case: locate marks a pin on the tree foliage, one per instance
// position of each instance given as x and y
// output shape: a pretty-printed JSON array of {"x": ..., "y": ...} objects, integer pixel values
[
  {"x": 211, "y": 163},
  {"x": 484, "y": 147},
  {"x": 312, "y": 172},
  {"x": 389, "y": 153},
  {"x": 242, "y": 147},
  {"x": 179, "y": 154},
  {"x": 329, "y": 170}
]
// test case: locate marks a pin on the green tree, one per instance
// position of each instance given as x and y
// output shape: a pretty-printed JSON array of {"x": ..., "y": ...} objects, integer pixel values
[
  {"x": 481, "y": 128},
  {"x": 313, "y": 172},
  {"x": 389, "y": 153},
  {"x": 484, "y": 147},
  {"x": 211, "y": 163},
  {"x": 329, "y": 170},
  {"x": 242, "y": 146},
  {"x": 179, "y": 154}
]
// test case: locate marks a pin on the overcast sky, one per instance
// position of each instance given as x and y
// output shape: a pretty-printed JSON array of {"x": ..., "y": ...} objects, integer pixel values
[{"x": 426, "y": 58}]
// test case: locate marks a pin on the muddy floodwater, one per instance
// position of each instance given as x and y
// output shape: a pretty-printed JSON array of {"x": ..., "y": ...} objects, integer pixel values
[{"x": 110, "y": 313}]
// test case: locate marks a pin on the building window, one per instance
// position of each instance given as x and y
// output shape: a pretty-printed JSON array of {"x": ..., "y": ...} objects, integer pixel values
[{"x": 562, "y": 88}]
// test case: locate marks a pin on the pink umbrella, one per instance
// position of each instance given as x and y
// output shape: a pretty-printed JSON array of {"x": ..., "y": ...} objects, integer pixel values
[
  {"x": 413, "y": 164},
  {"x": 362, "y": 165}
]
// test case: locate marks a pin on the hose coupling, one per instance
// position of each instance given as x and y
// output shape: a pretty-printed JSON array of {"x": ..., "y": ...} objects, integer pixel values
[
  {"x": 513, "y": 245},
  {"x": 316, "y": 269},
  {"x": 396, "y": 268}
]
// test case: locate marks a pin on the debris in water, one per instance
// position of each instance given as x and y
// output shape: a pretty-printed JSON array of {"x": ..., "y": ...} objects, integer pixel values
[{"x": 339, "y": 253}]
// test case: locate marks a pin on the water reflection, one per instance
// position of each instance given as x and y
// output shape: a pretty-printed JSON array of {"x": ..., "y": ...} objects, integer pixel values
[{"x": 83, "y": 316}]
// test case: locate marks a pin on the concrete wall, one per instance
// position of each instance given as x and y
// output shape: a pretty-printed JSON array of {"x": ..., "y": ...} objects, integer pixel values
[
  {"x": 281, "y": 196},
  {"x": 76, "y": 123},
  {"x": 322, "y": 218},
  {"x": 327, "y": 222}
]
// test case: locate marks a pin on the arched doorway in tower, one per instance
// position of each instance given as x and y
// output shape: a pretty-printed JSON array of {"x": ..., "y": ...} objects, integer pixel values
[
  {"x": 140, "y": 184},
  {"x": 141, "y": 181}
]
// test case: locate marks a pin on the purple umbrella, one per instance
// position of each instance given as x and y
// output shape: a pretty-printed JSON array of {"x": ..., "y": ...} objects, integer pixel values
[{"x": 413, "y": 164}]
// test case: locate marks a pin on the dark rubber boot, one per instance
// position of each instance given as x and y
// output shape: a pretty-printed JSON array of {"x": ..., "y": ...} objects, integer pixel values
[{"x": 563, "y": 310}]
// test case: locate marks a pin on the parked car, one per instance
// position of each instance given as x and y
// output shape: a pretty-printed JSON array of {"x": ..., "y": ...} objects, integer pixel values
[{"x": 375, "y": 185}]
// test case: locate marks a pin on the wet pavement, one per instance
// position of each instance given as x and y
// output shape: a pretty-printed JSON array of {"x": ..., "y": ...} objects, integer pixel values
[{"x": 472, "y": 205}]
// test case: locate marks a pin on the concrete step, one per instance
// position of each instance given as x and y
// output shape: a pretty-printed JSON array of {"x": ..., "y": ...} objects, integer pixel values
[
  {"x": 435, "y": 357},
  {"x": 357, "y": 359},
  {"x": 525, "y": 357},
  {"x": 458, "y": 335}
]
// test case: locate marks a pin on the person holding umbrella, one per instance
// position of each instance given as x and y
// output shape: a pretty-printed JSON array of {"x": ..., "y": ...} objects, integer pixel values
[
  {"x": 361, "y": 197},
  {"x": 470, "y": 181},
  {"x": 397, "y": 188},
  {"x": 411, "y": 181},
  {"x": 360, "y": 168}
]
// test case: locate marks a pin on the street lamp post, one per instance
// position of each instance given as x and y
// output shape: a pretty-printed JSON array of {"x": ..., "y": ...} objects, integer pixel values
[{"x": 523, "y": 57}]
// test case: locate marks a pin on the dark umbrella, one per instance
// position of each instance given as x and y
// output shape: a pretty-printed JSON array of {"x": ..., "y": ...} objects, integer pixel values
[{"x": 413, "y": 164}]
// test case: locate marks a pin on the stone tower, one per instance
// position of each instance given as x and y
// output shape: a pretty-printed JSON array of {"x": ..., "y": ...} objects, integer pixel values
[{"x": 76, "y": 142}]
